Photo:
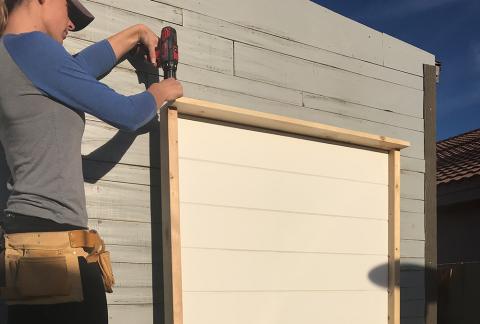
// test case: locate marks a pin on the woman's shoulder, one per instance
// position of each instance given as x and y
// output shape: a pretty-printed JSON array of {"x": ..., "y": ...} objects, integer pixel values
[{"x": 32, "y": 43}]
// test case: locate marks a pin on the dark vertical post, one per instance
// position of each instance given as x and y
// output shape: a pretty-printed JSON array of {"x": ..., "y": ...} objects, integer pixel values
[
  {"x": 156, "y": 228},
  {"x": 429, "y": 105}
]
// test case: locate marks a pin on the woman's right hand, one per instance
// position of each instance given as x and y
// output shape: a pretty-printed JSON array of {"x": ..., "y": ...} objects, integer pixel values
[{"x": 166, "y": 90}]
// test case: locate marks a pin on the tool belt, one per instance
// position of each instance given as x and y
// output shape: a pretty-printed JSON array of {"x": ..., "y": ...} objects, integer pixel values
[{"x": 43, "y": 267}]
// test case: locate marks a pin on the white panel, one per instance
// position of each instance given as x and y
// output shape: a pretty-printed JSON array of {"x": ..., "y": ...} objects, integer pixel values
[
  {"x": 246, "y": 187},
  {"x": 283, "y": 153},
  {"x": 285, "y": 307},
  {"x": 280, "y": 229},
  {"x": 226, "y": 270},
  {"x": 232, "y": 228}
]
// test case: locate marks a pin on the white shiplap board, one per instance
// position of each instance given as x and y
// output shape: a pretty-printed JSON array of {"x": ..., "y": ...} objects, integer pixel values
[
  {"x": 270, "y": 221},
  {"x": 271, "y": 307},
  {"x": 314, "y": 194}
]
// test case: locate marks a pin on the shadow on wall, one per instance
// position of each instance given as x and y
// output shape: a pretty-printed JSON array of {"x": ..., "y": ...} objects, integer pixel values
[
  {"x": 412, "y": 287},
  {"x": 101, "y": 161}
]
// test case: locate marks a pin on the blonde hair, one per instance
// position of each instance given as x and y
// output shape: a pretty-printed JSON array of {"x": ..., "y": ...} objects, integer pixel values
[
  {"x": 6, "y": 6},
  {"x": 3, "y": 16}
]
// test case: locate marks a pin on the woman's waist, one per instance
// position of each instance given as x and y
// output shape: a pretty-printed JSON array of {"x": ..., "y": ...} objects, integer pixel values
[{"x": 18, "y": 223}]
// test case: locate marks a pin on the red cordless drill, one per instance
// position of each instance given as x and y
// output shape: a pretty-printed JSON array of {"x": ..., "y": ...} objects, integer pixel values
[
  {"x": 167, "y": 52},
  {"x": 167, "y": 56}
]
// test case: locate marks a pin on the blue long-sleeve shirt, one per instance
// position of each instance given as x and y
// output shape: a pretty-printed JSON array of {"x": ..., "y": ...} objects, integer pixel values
[
  {"x": 72, "y": 80},
  {"x": 44, "y": 95}
]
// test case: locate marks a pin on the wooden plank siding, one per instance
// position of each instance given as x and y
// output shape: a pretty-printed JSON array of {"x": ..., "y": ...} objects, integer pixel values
[{"x": 335, "y": 72}]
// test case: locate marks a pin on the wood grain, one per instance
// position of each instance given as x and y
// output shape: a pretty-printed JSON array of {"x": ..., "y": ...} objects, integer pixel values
[
  {"x": 394, "y": 239},
  {"x": 215, "y": 111},
  {"x": 172, "y": 264}
]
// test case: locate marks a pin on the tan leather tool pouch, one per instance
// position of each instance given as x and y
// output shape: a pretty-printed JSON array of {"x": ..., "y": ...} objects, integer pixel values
[
  {"x": 42, "y": 277},
  {"x": 41, "y": 268},
  {"x": 94, "y": 245},
  {"x": 107, "y": 272},
  {"x": 103, "y": 259}
]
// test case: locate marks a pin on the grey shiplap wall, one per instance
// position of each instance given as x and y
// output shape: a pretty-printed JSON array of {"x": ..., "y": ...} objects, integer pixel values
[{"x": 293, "y": 58}]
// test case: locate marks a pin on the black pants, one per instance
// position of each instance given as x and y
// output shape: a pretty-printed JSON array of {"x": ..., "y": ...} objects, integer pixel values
[{"x": 93, "y": 309}]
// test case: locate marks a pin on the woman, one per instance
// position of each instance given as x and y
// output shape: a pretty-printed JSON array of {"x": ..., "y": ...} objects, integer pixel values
[{"x": 44, "y": 95}]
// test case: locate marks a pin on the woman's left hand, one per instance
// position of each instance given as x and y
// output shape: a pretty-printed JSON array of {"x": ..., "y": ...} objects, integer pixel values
[{"x": 150, "y": 40}]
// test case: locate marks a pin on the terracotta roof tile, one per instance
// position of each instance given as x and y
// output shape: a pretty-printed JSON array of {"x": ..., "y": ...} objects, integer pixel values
[{"x": 458, "y": 157}]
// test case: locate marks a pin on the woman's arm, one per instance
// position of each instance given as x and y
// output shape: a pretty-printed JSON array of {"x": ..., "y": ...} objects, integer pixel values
[
  {"x": 99, "y": 58},
  {"x": 56, "y": 73},
  {"x": 124, "y": 41}
]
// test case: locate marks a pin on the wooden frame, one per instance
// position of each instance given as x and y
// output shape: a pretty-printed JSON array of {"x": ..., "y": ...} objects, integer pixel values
[{"x": 170, "y": 189}]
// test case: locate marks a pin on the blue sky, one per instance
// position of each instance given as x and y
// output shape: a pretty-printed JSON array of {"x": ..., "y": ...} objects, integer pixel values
[{"x": 449, "y": 29}]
